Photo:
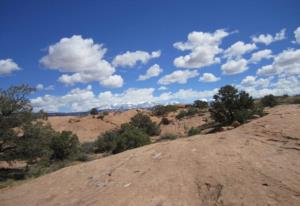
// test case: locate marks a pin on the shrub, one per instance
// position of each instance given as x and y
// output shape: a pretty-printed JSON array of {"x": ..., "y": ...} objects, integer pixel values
[
  {"x": 108, "y": 141},
  {"x": 181, "y": 114},
  {"x": 258, "y": 109},
  {"x": 102, "y": 115},
  {"x": 88, "y": 147},
  {"x": 64, "y": 145},
  {"x": 144, "y": 123},
  {"x": 128, "y": 137},
  {"x": 161, "y": 110},
  {"x": 200, "y": 104},
  {"x": 35, "y": 142},
  {"x": 94, "y": 111},
  {"x": 165, "y": 121},
  {"x": 296, "y": 100},
  {"x": 269, "y": 101},
  {"x": 230, "y": 105},
  {"x": 192, "y": 111},
  {"x": 193, "y": 131},
  {"x": 168, "y": 137}
]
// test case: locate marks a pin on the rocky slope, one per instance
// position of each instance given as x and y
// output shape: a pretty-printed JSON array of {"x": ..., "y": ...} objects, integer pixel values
[{"x": 255, "y": 164}]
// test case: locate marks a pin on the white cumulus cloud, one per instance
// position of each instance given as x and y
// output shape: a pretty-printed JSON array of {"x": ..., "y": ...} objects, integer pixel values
[
  {"x": 261, "y": 87},
  {"x": 81, "y": 57},
  {"x": 153, "y": 71},
  {"x": 238, "y": 49},
  {"x": 234, "y": 66},
  {"x": 203, "y": 47},
  {"x": 209, "y": 77},
  {"x": 179, "y": 76},
  {"x": 113, "y": 81},
  {"x": 8, "y": 66},
  {"x": 258, "y": 56},
  {"x": 252, "y": 81},
  {"x": 130, "y": 59},
  {"x": 268, "y": 38},
  {"x": 286, "y": 62}
]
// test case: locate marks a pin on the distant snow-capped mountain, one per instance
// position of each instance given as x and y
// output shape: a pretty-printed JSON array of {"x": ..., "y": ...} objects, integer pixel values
[{"x": 127, "y": 106}]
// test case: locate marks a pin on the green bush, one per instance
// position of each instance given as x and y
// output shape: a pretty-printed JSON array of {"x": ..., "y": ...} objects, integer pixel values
[
  {"x": 258, "y": 109},
  {"x": 193, "y": 131},
  {"x": 144, "y": 123},
  {"x": 230, "y": 105},
  {"x": 161, "y": 110},
  {"x": 128, "y": 137},
  {"x": 200, "y": 104},
  {"x": 192, "y": 111},
  {"x": 64, "y": 146},
  {"x": 269, "y": 101},
  {"x": 94, "y": 111},
  {"x": 181, "y": 114},
  {"x": 168, "y": 137},
  {"x": 88, "y": 147},
  {"x": 35, "y": 142}
]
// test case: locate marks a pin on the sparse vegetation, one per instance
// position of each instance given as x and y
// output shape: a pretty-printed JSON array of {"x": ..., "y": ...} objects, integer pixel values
[
  {"x": 191, "y": 111},
  {"x": 168, "y": 136},
  {"x": 181, "y": 114},
  {"x": 200, "y": 104},
  {"x": 161, "y": 110},
  {"x": 128, "y": 137},
  {"x": 193, "y": 131},
  {"x": 144, "y": 123},
  {"x": 102, "y": 115},
  {"x": 269, "y": 101},
  {"x": 24, "y": 137}
]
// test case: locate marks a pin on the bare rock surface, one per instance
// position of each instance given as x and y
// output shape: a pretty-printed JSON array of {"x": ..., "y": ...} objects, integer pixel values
[{"x": 255, "y": 164}]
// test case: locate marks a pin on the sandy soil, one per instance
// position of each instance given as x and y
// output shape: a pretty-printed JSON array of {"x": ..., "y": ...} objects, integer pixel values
[
  {"x": 255, "y": 164},
  {"x": 88, "y": 128}
]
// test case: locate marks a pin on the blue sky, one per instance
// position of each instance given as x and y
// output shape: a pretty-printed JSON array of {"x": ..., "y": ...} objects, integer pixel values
[{"x": 81, "y": 54}]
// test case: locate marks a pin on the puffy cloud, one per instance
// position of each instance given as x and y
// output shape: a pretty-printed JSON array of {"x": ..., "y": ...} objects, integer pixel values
[
  {"x": 179, "y": 76},
  {"x": 203, "y": 46},
  {"x": 297, "y": 35},
  {"x": 258, "y": 56},
  {"x": 284, "y": 85},
  {"x": 75, "y": 100},
  {"x": 79, "y": 56},
  {"x": 7, "y": 66},
  {"x": 268, "y": 38},
  {"x": 113, "y": 81},
  {"x": 42, "y": 87},
  {"x": 130, "y": 59},
  {"x": 84, "y": 99},
  {"x": 252, "y": 81},
  {"x": 153, "y": 71},
  {"x": 287, "y": 63},
  {"x": 209, "y": 77},
  {"x": 234, "y": 66},
  {"x": 238, "y": 49}
]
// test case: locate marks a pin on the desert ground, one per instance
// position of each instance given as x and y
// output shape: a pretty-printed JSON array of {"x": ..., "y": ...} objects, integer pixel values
[
  {"x": 89, "y": 127},
  {"x": 255, "y": 164}
]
